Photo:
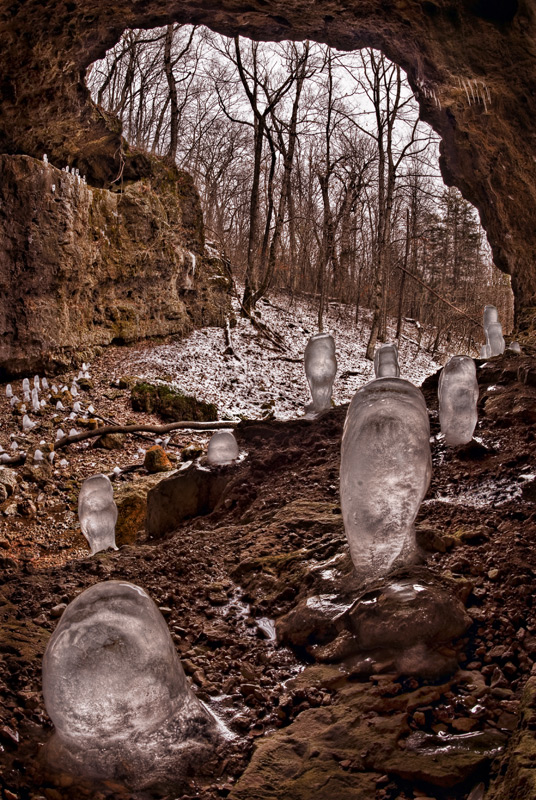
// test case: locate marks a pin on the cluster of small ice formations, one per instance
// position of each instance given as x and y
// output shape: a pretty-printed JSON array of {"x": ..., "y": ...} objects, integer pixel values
[
  {"x": 97, "y": 513},
  {"x": 386, "y": 466},
  {"x": 222, "y": 448},
  {"x": 458, "y": 397},
  {"x": 320, "y": 369}
]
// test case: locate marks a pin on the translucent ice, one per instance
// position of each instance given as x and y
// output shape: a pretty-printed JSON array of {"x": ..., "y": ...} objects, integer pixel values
[
  {"x": 14, "y": 400},
  {"x": 74, "y": 390},
  {"x": 495, "y": 338},
  {"x": 26, "y": 385},
  {"x": 44, "y": 383},
  {"x": 36, "y": 405},
  {"x": 320, "y": 369},
  {"x": 490, "y": 315},
  {"x": 97, "y": 513},
  {"x": 38, "y": 456},
  {"x": 113, "y": 683},
  {"x": 27, "y": 424},
  {"x": 386, "y": 467},
  {"x": 515, "y": 347},
  {"x": 60, "y": 406},
  {"x": 386, "y": 361},
  {"x": 485, "y": 351},
  {"x": 222, "y": 448},
  {"x": 458, "y": 396},
  {"x": 9, "y": 391},
  {"x": 59, "y": 434},
  {"x": 36, "y": 381}
]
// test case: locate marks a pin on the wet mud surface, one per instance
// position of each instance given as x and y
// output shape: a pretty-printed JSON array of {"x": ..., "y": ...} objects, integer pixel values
[{"x": 308, "y": 718}]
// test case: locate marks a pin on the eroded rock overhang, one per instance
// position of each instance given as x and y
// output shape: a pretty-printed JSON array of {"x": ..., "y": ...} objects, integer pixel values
[{"x": 472, "y": 64}]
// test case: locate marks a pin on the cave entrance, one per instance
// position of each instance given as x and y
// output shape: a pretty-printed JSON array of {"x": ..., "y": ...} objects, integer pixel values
[{"x": 315, "y": 172}]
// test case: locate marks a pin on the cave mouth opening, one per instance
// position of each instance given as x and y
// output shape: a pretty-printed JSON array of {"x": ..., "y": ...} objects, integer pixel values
[{"x": 327, "y": 144}]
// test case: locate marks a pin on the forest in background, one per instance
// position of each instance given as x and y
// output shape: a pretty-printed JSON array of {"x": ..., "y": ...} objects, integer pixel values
[{"x": 315, "y": 174}]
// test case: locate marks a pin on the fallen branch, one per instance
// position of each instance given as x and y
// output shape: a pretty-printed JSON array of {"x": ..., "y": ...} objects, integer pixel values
[
  {"x": 65, "y": 441},
  {"x": 433, "y": 291}
]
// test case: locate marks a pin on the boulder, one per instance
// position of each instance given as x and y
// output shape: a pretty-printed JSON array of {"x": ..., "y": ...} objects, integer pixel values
[
  {"x": 156, "y": 460},
  {"x": 170, "y": 404},
  {"x": 131, "y": 501}
]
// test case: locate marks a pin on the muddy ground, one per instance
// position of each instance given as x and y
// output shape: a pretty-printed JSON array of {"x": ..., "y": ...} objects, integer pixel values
[{"x": 307, "y": 722}]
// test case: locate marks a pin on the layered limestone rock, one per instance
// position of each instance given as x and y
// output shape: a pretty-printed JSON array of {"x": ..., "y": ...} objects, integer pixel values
[
  {"x": 471, "y": 62},
  {"x": 82, "y": 267}
]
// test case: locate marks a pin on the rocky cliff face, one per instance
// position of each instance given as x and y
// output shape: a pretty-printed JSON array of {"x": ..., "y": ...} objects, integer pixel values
[
  {"x": 472, "y": 63},
  {"x": 82, "y": 267}
]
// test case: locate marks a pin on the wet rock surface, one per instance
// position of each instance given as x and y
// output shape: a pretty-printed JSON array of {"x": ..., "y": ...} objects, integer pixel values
[{"x": 336, "y": 714}]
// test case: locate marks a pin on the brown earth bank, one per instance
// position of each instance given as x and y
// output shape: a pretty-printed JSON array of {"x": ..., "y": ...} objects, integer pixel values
[
  {"x": 471, "y": 64},
  {"x": 325, "y": 698}
]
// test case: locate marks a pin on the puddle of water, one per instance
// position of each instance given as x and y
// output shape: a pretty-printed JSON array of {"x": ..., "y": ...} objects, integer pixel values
[
  {"x": 486, "y": 742},
  {"x": 328, "y": 604},
  {"x": 492, "y": 492}
]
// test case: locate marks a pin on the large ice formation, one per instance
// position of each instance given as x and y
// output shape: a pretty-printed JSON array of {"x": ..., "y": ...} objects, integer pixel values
[
  {"x": 386, "y": 467},
  {"x": 113, "y": 683},
  {"x": 222, "y": 448},
  {"x": 495, "y": 338},
  {"x": 458, "y": 396},
  {"x": 386, "y": 361},
  {"x": 320, "y": 369},
  {"x": 97, "y": 513},
  {"x": 485, "y": 351}
]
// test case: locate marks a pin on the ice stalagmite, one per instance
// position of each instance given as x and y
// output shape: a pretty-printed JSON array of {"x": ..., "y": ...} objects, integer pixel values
[
  {"x": 386, "y": 467},
  {"x": 222, "y": 448},
  {"x": 493, "y": 332},
  {"x": 490, "y": 315},
  {"x": 485, "y": 351},
  {"x": 320, "y": 370},
  {"x": 458, "y": 396},
  {"x": 386, "y": 361},
  {"x": 97, "y": 513},
  {"x": 112, "y": 682},
  {"x": 495, "y": 338}
]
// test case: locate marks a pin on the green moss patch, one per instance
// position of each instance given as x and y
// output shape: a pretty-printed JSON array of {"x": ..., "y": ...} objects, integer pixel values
[{"x": 170, "y": 403}]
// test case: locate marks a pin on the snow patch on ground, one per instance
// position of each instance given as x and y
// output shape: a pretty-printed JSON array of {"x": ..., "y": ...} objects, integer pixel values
[{"x": 258, "y": 379}]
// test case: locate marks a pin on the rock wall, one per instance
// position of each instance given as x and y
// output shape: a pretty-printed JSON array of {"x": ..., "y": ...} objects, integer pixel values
[
  {"x": 471, "y": 62},
  {"x": 82, "y": 267}
]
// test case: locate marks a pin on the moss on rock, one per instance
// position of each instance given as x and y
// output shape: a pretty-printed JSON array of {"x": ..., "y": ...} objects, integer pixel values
[{"x": 171, "y": 404}]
